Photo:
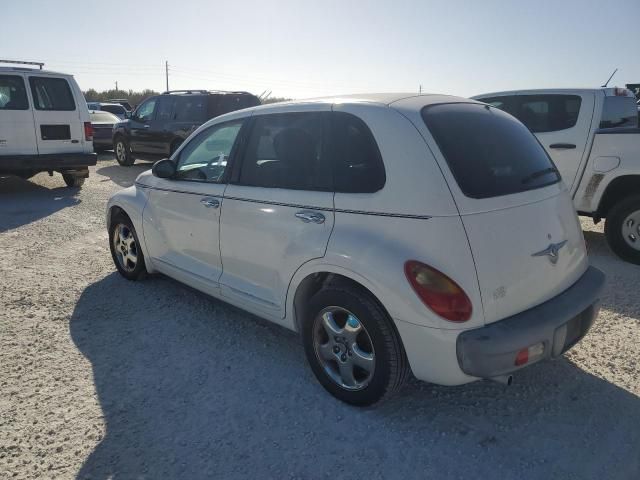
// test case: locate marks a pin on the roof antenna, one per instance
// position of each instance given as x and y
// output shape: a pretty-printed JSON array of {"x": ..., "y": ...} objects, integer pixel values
[{"x": 607, "y": 82}]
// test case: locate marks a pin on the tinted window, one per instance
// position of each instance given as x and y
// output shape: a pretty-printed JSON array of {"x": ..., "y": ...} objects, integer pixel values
[
  {"x": 145, "y": 111},
  {"x": 221, "y": 104},
  {"x": 205, "y": 157},
  {"x": 51, "y": 94},
  {"x": 116, "y": 109},
  {"x": 358, "y": 166},
  {"x": 619, "y": 112},
  {"x": 286, "y": 151},
  {"x": 13, "y": 95},
  {"x": 165, "y": 108},
  {"x": 540, "y": 113},
  {"x": 489, "y": 153},
  {"x": 190, "y": 108}
]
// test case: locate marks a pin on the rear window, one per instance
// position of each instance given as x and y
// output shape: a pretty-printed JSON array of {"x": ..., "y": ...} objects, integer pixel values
[
  {"x": 115, "y": 109},
  {"x": 13, "y": 95},
  {"x": 489, "y": 152},
  {"x": 619, "y": 112},
  {"x": 51, "y": 94},
  {"x": 103, "y": 117}
]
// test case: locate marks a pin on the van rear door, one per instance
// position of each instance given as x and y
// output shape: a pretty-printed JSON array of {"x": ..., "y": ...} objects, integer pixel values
[
  {"x": 525, "y": 236},
  {"x": 59, "y": 127},
  {"x": 17, "y": 136}
]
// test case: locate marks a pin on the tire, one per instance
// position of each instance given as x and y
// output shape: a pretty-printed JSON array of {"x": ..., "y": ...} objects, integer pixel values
[
  {"x": 123, "y": 152},
  {"x": 377, "y": 346},
  {"x": 622, "y": 229},
  {"x": 73, "y": 181},
  {"x": 123, "y": 242}
]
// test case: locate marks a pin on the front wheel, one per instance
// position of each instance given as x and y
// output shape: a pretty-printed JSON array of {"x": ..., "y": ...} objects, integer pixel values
[
  {"x": 125, "y": 248},
  {"x": 73, "y": 181},
  {"x": 622, "y": 229},
  {"x": 352, "y": 346},
  {"x": 123, "y": 152}
]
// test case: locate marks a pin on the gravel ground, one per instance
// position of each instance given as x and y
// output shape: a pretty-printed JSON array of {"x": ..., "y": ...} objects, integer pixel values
[{"x": 106, "y": 379}]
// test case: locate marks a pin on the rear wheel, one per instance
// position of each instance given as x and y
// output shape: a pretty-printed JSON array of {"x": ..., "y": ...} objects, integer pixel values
[
  {"x": 73, "y": 180},
  {"x": 352, "y": 346},
  {"x": 123, "y": 152},
  {"x": 125, "y": 248},
  {"x": 622, "y": 229}
]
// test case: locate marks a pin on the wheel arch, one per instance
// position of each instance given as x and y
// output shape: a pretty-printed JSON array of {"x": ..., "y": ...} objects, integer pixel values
[{"x": 618, "y": 189}]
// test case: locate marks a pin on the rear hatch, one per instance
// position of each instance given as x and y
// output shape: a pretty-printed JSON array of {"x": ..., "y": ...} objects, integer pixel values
[{"x": 525, "y": 236}]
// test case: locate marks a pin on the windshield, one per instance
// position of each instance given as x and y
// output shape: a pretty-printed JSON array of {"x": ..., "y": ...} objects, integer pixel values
[{"x": 489, "y": 152}]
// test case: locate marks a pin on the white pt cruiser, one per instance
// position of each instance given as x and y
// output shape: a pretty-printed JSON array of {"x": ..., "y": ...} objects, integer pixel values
[{"x": 396, "y": 233}]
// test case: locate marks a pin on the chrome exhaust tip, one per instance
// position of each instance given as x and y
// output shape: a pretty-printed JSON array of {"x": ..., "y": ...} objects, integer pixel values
[{"x": 503, "y": 379}]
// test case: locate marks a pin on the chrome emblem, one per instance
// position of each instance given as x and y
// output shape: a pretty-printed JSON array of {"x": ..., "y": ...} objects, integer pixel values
[{"x": 552, "y": 251}]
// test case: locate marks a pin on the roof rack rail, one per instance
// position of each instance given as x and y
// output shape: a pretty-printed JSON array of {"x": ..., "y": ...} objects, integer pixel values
[
  {"x": 168, "y": 92},
  {"x": 20, "y": 62}
]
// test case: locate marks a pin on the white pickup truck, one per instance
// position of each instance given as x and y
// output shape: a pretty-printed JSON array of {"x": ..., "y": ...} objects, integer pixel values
[{"x": 592, "y": 135}]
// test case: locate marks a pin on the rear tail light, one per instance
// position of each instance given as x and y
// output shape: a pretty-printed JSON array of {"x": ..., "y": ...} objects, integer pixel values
[
  {"x": 88, "y": 131},
  {"x": 529, "y": 354},
  {"x": 438, "y": 292},
  {"x": 623, "y": 92}
]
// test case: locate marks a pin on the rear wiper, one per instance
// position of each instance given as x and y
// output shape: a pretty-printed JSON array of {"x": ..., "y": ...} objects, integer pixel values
[{"x": 540, "y": 173}]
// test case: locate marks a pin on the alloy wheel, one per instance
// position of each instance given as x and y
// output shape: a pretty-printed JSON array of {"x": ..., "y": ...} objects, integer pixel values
[
  {"x": 631, "y": 230},
  {"x": 125, "y": 247}
]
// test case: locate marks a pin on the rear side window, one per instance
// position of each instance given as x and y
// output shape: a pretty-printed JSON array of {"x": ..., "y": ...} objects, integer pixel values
[
  {"x": 166, "y": 104},
  {"x": 115, "y": 109},
  {"x": 287, "y": 151},
  {"x": 13, "y": 95},
  {"x": 51, "y": 94},
  {"x": 190, "y": 108},
  {"x": 221, "y": 104},
  {"x": 619, "y": 112},
  {"x": 358, "y": 166},
  {"x": 540, "y": 113},
  {"x": 489, "y": 153}
]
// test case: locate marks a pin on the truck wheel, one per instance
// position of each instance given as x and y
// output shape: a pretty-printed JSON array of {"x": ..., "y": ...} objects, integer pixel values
[
  {"x": 73, "y": 180},
  {"x": 123, "y": 153},
  {"x": 352, "y": 346},
  {"x": 622, "y": 229}
]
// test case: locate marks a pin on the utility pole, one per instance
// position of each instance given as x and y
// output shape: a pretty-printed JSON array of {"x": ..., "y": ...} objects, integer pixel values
[
  {"x": 166, "y": 72},
  {"x": 116, "y": 85},
  {"x": 420, "y": 89}
]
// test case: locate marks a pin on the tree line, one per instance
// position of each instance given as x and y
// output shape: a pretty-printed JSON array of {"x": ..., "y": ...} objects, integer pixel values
[{"x": 135, "y": 98}]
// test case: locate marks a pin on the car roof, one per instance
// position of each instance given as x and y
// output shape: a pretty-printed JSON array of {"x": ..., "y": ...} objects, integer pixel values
[
  {"x": 33, "y": 70},
  {"x": 539, "y": 91}
]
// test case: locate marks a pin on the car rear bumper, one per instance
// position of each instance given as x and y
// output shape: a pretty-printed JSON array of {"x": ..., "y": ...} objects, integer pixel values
[
  {"x": 54, "y": 161},
  {"x": 557, "y": 324}
]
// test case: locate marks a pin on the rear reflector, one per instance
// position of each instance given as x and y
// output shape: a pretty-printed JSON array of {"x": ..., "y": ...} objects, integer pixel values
[
  {"x": 438, "y": 292},
  {"x": 88, "y": 131},
  {"x": 529, "y": 354}
]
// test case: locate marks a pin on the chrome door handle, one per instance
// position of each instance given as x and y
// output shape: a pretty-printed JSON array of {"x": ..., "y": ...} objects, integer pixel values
[
  {"x": 210, "y": 202},
  {"x": 310, "y": 217}
]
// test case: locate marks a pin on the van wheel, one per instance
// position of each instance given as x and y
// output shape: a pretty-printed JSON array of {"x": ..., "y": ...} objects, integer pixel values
[
  {"x": 622, "y": 229},
  {"x": 73, "y": 180},
  {"x": 352, "y": 346},
  {"x": 125, "y": 248},
  {"x": 123, "y": 152}
]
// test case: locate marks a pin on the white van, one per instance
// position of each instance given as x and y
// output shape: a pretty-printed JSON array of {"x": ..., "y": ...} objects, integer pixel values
[{"x": 44, "y": 125}]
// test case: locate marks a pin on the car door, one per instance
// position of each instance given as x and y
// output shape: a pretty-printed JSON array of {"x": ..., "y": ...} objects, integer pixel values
[
  {"x": 140, "y": 127},
  {"x": 162, "y": 125},
  {"x": 189, "y": 113},
  {"x": 56, "y": 116},
  {"x": 17, "y": 133},
  {"x": 278, "y": 208},
  {"x": 182, "y": 217},
  {"x": 561, "y": 122}
]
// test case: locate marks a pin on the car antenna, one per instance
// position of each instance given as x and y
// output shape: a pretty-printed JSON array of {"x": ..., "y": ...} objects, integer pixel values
[{"x": 607, "y": 82}]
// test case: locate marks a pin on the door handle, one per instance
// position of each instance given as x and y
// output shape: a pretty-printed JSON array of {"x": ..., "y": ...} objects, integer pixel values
[
  {"x": 562, "y": 146},
  {"x": 310, "y": 217},
  {"x": 210, "y": 202}
]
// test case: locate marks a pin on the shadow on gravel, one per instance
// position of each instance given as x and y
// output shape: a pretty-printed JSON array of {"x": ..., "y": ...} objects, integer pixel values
[
  {"x": 193, "y": 388},
  {"x": 124, "y": 176},
  {"x": 624, "y": 274},
  {"x": 23, "y": 202}
]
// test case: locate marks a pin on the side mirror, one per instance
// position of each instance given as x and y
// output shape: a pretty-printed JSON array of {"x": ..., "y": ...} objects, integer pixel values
[{"x": 164, "y": 168}]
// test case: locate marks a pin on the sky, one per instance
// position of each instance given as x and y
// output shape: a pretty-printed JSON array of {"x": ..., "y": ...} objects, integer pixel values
[{"x": 299, "y": 48}]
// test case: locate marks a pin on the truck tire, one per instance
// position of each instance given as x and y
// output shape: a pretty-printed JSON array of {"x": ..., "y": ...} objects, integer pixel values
[
  {"x": 352, "y": 346},
  {"x": 73, "y": 181},
  {"x": 622, "y": 229},
  {"x": 123, "y": 152}
]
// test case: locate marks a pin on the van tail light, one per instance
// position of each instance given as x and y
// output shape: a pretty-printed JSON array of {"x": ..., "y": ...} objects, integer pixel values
[
  {"x": 438, "y": 292},
  {"x": 88, "y": 131}
]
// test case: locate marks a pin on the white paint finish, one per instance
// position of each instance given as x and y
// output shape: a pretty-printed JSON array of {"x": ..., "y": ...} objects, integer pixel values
[
  {"x": 263, "y": 243},
  {"x": 605, "y": 164},
  {"x": 17, "y": 134}
]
